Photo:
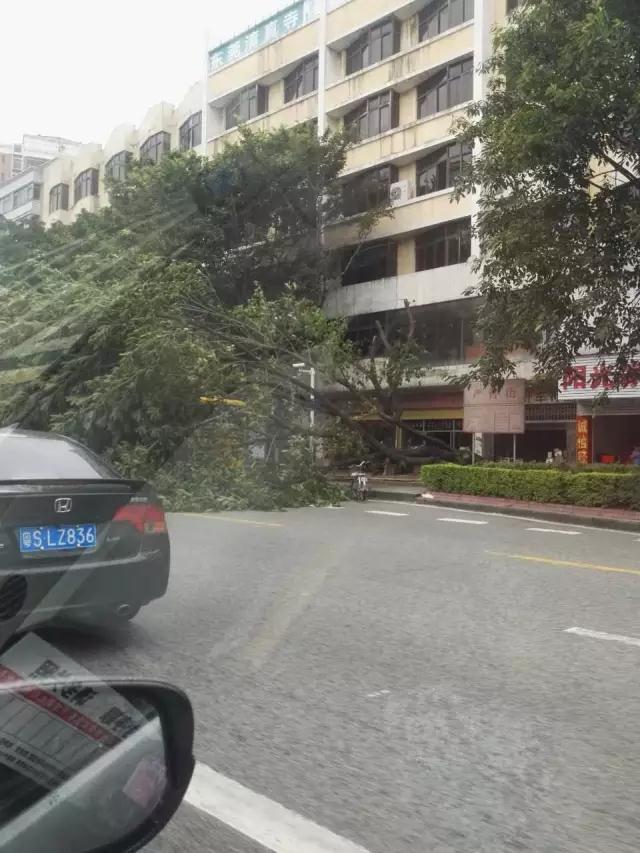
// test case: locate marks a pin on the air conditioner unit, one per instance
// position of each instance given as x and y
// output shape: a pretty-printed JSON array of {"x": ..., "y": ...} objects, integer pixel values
[{"x": 399, "y": 192}]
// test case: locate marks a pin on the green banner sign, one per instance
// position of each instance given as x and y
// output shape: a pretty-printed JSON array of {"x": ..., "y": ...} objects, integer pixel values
[{"x": 273, "y": 28}]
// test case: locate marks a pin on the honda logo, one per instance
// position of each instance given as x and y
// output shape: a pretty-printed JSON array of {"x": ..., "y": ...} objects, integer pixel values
[{"x": 62, "y": 504}]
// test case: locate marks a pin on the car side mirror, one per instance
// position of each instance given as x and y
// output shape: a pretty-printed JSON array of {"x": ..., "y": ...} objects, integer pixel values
[{"x": 90, "y": 765}]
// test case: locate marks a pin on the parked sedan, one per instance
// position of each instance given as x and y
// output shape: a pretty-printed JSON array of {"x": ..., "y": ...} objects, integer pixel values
[{"x": 77, "y": 541}]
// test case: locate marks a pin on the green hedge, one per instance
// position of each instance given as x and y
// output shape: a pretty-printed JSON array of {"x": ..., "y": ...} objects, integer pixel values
[
  {"x": 617, "y": 468},
  {"x": 544, "y": 485}
]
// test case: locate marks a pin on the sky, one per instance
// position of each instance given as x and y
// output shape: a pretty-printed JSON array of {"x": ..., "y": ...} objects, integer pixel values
[{"x": 78, "y": 68}]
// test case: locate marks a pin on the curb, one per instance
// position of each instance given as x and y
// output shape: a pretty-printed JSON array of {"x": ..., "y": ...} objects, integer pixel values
[
  {"x": 405, "y": 497},
  {"x": 541, "y": 515}
]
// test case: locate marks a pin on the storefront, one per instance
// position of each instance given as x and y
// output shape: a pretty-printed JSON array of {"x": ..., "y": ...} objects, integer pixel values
[
  {"x": 436, "y": 414},
  {"x": 607, "y": 422}
]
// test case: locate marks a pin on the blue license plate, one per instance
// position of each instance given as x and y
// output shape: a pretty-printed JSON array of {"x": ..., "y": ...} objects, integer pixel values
[{"x": 66, "y": 537}]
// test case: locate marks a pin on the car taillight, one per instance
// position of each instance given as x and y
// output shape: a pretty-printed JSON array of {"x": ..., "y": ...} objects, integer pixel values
[{"x": 146, "y": 518}]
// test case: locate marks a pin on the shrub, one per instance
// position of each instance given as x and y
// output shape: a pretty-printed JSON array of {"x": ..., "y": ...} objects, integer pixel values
[{"x": 543, "y": 485}]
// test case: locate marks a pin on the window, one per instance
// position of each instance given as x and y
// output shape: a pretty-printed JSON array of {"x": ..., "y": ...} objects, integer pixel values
[
  {"x": 445, "y": 245},
  {"x": 85, "y": 184},
  {"x": 116, "y": 167},
  {"x": 191, "y": 132},
  {"x": 302, "y": 81},
  {"x": 377, "y": 43},
  {"x": 369, "y": 190},
  {"x": 370, "y": 263},
  {"x": 26, "y": 194},
  {"x": 6, "y": 203},
  {"x": 59, "y": 197},
  {"x": 446, "y": 332},
  {"x": 452, "y": 85},
  {"x": 373, "y": 116},
  {"x": 439, "y": 170},
  {"x": 247, "y": 104},
  {"x": 45, "y": 455},
  {"x": 512, "y": 5},
  {"x": 155, "y": 147},
  {"x": 440, "y": 15}
]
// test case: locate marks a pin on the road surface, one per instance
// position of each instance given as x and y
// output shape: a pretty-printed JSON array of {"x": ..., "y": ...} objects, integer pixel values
[{"x": 389, "y": 677}]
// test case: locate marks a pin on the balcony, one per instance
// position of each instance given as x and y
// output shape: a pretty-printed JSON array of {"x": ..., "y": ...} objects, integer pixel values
[
  {"x": 346, "y": 18},
  {"x": 296, "y": 112},
  {"x": 408, "y": 218},
  {"x": 24, "y": 212},
  {"x": 388, "y": 294},
  {"x": 403, "y": 144},
  {"x": 402, "y": 71},
  {"x": 272, "y": 58}
]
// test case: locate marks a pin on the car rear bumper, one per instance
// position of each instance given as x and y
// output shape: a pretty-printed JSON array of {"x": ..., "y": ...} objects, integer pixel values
[{"x": 81, "y": 587}]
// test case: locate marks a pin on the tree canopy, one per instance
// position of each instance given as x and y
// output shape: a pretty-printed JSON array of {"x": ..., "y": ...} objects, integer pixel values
[
  {"x": 202, "y": 281},
  {"x": 558, "y": 178}
]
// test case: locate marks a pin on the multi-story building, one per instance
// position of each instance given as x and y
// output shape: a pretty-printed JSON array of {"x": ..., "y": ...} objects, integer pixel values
[
  {"x": 20, "y": 196},
  {"x": 397, "y": 74},
  {"x": 77, "y": 181},
  {"x": 6, "y": 160},
  {"x": 21, "y": 168},
  {"x": 34, "y": 150}
]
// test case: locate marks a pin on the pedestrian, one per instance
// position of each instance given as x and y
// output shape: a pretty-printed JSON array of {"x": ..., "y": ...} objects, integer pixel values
[{"x": 635, "y": 455}]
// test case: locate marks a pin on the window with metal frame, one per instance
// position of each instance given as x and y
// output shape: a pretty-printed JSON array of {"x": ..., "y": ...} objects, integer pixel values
[
  {"x": 444, "y": 245},
  {"x": 26, "y": 194},
  {"x": 440, "y": 168},
  {"x": 441, "y": 15},
  {"x": 373, "y": 116},
  {"x": 369, "y": 190},
  {"x": 85, "y": 184},
  {"x": 59, "y": 198},
  {"x": 303, "y": 80},
  {"x": 116, "y": 167},
  {"x": 445, "y": 331},
  {"x": 247, "y": 104},
  {"x": 370, "y": 262},
  {"x": 190, "y": 134},
  {"x": 448, "y": 87},
  {"x": 376, "y": 43},
  {"x": 155, "y": 147}
]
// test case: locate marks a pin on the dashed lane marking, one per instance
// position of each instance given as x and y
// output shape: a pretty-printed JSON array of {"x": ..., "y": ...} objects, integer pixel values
[
  {"x": 463, "y": 521},
  {"x": 259, "y": 818},
  {"x": 602, "y": 635},
  {"x": 507, "y": 515},
  {"x": 382, "y": 512},
  {"x": 553, "y": 530}
]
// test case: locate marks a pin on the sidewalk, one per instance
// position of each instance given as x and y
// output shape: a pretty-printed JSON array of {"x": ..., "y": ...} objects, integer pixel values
[{"x": 410, "y": 489}]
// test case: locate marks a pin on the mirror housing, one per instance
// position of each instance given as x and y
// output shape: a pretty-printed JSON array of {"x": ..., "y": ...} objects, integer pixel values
[{"x": 107, "y": 775}]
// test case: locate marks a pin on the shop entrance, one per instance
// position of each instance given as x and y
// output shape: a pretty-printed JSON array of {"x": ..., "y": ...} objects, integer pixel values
[{"x": 615, "y": 436}]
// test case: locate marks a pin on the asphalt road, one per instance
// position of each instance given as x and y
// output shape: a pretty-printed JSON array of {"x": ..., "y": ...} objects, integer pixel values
[{"x": 397, "y": 682}]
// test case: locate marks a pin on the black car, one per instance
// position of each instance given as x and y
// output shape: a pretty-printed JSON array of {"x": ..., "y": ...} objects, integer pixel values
[{"x": 77, "y": 541}]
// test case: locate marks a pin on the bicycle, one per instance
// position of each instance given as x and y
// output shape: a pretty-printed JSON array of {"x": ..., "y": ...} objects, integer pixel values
[{"x": 359, "y": 483}]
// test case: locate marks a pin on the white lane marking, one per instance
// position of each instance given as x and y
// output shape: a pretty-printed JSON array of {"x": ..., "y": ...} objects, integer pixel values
[
  {"x": 377, "y": 694},
  {"x": 463, "y": 521},
  {"x": 602, "y": 635},
  {"x": 382, "y": 512},
  {"x": 260, "y": 818},
  {"x": 551, "y": 530},
  {"x": 506, "y": 515}
]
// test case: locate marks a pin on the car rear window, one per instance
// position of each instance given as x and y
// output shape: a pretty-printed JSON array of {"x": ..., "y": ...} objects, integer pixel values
[{"x": 32, "y": 457}]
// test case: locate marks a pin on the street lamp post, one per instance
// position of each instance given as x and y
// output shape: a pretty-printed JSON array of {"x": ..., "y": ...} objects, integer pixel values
[{"x": 302, "y": 368}]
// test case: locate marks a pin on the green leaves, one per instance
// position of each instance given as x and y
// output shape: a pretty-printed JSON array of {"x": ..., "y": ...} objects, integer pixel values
[{"x": 559, "y": 176}]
